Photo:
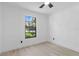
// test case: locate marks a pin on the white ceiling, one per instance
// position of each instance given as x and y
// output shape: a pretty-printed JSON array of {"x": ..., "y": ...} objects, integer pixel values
[{"x": 58, "y": 6}]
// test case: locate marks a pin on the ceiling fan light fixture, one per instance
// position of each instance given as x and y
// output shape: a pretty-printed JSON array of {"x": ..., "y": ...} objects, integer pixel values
[
  {"x": 49, "y": 4},
  {"x": 46, "y": 3}
]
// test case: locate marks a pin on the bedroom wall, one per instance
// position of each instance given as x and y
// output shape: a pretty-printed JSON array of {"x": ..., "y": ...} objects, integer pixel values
[
  {"x": 14, "y": 29},
  {"x": 64, "y": 27},
  {"x": 0, "y": 26}
]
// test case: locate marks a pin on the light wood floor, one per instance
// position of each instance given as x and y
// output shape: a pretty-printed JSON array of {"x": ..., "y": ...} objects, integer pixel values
[{"x": 43, "y": 49}]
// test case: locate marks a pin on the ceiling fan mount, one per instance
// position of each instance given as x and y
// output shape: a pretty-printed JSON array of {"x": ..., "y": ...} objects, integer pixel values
[{"x": 50, "y": 5}]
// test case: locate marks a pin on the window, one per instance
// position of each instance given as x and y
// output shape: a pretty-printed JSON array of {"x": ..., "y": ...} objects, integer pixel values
[{"x": 30, "y": 27}]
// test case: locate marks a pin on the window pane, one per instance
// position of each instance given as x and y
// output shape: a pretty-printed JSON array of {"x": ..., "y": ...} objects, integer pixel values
[{"x": 30, "y": 27}]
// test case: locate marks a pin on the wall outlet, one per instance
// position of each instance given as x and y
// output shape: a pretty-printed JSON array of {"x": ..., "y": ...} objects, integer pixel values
[
  {"x": 21, "y": 41},
  {"x": 53, "y": 38}
]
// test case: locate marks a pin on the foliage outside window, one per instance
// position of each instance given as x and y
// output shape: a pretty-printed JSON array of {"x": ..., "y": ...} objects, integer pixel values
[{"x": 30, "y": 27}]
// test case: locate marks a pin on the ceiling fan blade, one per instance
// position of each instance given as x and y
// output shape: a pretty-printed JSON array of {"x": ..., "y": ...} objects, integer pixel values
[
  {"x": 42, "y": 5},
  {"x": 50, "y": 5}
]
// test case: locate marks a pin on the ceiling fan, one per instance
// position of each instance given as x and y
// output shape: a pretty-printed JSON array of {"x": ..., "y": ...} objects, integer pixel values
[{"x": 50, "y": 5}]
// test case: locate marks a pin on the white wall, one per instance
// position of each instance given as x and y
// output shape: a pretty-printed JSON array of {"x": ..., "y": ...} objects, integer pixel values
[
  {"x": 14, "y": 29},
  {"x": 0, "y": 26},
  {"x": 64, "y": 26}
]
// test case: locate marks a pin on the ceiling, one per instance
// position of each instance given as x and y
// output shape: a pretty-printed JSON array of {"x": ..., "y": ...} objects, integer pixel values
[{"x": 58, "y": 6}]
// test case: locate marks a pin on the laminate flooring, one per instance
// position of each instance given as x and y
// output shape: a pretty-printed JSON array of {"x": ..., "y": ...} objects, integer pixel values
[{"x": 42, "y": 49}]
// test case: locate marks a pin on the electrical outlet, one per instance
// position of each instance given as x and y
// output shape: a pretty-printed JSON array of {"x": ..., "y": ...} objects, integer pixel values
[
  {"x": 53, "y": 38},
  {"x": 21, "y": 41}
]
